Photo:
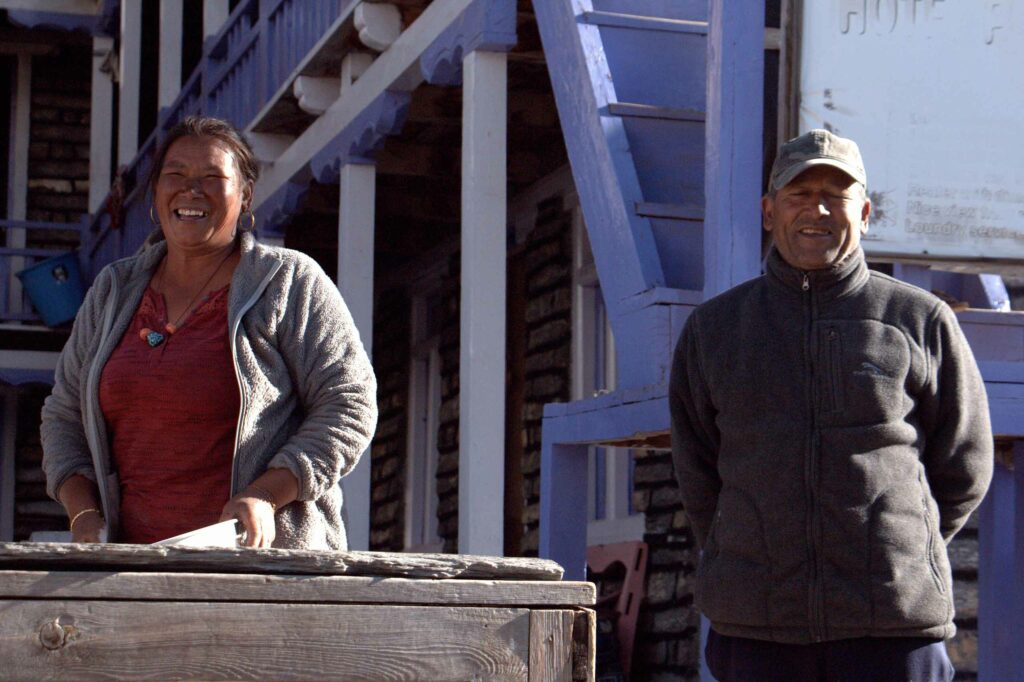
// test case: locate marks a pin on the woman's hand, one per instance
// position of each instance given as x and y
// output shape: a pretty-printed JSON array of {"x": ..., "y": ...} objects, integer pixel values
[
  {"x": 81, "y": 500},
  {"x": 256, "y": 515},
  {"x": 87, "y": 526}
]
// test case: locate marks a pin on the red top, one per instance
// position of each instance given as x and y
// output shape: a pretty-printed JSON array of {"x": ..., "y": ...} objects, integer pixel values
[{"x": 171, "y": 413}]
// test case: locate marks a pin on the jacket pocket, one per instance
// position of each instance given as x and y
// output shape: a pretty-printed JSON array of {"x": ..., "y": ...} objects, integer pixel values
[
  {"x": 935, "y": 542},
  {"x": 833, "y": 374},
  {"x": 864, "y": 366}
]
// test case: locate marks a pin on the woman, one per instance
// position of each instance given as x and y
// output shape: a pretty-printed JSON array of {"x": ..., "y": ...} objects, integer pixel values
[{"x": 208, "y": 377}]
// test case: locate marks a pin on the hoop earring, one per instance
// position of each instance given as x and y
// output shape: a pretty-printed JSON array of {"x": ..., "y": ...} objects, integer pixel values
[
  {"x": 252, "y": 221},
  {"x": 152, "y": 218}
]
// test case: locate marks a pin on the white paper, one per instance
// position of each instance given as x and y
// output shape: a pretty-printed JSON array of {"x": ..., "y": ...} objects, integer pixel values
[{"x": 223, "y": 534}]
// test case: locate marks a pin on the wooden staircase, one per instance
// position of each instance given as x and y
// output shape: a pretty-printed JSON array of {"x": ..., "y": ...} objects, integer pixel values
[{"x": 661, "y": 107}]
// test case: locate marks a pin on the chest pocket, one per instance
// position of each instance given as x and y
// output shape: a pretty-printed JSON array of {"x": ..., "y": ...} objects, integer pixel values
[{"x": 863, "y": 368}]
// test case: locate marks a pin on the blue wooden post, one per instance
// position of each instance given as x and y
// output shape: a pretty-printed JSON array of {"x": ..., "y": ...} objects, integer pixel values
[
  {"x": 996, "y": 564},
  {"x": 732, "y": 228},
  {"x": 1016, "y": 582},
  {"x": 563, "y": 504}
]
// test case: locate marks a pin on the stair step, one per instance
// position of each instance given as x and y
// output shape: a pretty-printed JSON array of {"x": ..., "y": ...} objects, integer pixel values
[
  {"x": 651, "y": 111},
  {"x": 647, "y": 209},
  {"x": 620, "y": 20}
]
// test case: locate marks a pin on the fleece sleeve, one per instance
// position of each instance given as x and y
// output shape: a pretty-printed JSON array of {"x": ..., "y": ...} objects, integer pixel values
[
  {"x": 335, "y": 384},
  {"x": 62, "y": 429},
  {"x": 958, "y": 450},
  {"x": 695, "y": 438}
]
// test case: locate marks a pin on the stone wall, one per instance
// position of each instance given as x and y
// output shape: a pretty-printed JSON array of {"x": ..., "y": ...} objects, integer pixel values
[
  {"x": 448, "y": 428},
  {"x": 58, "y": 169},
  {"x": 548, "y": 270},
  {"x": 668, "y": 633},
  {"x": 33, "y": 508},
  {"x": 388, "y": 451}
]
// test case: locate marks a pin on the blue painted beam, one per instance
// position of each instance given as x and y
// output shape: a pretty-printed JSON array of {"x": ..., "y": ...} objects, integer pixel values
[
  {"x": 563, "y": 506},
  {"x": 1000, "y": 563},
  {"x": 57, "y": 21},
  {"x": 567, "y": 430},
  {"x": 732, "y": 235},
  {"x": 16, "y": 377},
  {"x": 600, "y": 155},
  {"x": 488, "y": 25}
]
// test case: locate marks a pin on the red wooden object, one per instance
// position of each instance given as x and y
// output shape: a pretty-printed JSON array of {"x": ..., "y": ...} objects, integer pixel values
[{"x": 632, "y": 556}]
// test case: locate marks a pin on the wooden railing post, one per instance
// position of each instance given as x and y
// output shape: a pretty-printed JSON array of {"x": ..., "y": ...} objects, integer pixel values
[
  {"x": 482, "y": 328},
  {"x": 355, "y": 280},
  {"x": 131, "y": 73},
  {"x": 1000, "y": 567}
]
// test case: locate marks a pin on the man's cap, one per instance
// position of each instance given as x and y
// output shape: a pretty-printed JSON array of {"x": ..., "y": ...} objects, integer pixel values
[{"x": 816, "y": 148}]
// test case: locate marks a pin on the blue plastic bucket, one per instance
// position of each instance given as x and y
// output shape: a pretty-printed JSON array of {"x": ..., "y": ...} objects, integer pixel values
[{"x": 55, "y": 288}]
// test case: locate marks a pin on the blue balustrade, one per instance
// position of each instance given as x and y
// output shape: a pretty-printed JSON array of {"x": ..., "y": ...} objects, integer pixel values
[
  {"x": 293, "y": 27},
  {"x": 243, "y": 66}
]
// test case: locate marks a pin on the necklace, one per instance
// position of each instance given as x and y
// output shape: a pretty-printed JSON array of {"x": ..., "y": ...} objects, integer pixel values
[{"x": 155, "y": 338}]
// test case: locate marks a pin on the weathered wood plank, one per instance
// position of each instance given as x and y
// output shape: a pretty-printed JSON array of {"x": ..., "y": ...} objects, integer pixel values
[
  {"x": 551, "y": 646},
  {"x": 124, "y": 640},
  {"x": 584, "y": 646},
  {"x": 61, "y": 556},
  {"x": 285, "y": 588}
]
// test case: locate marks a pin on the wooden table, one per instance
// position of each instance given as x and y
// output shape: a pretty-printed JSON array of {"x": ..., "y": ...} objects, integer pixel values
[{"x": 136, "y": 611}]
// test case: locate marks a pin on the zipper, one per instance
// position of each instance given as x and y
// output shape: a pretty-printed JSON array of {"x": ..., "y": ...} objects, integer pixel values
[
  {"x": 242, "y": 399},
  {"x": 815, "y": 617}
]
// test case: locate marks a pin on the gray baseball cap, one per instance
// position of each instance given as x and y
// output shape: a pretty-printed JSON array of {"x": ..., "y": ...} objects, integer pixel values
[{"x": 816, "y": 148}]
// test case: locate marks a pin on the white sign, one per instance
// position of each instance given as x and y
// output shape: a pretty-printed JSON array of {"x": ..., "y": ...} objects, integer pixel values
[{"x": 933, "y": 92}]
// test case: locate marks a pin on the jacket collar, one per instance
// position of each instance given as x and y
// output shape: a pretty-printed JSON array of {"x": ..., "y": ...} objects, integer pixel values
[
  {"x": 844, "y": 278},
  {"x": 257, "y": 260}
]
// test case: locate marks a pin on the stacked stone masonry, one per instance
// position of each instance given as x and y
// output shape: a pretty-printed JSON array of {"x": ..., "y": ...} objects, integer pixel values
[
  {"x": 388, "y": 450},
  {"x": 448, "y": 429},
  {"x": 33, "y": 508},
  {"x": 548, "y": 266},
  {"x": 58, "y": 164}
]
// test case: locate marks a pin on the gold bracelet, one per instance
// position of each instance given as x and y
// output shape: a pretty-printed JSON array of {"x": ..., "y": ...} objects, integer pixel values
[
  {"x": 263, "y": 494},
  {"x": 71, "y": 526}
]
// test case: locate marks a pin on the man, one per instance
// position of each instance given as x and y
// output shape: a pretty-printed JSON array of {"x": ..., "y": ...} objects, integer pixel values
[{"x": 830, "y": 434}]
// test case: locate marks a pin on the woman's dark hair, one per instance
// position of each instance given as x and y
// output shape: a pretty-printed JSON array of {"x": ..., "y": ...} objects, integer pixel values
[{"x": 218, "y": 129}]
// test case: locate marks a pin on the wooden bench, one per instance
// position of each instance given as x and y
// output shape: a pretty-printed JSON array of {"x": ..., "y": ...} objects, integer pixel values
[{"x": 134, "y": 611}]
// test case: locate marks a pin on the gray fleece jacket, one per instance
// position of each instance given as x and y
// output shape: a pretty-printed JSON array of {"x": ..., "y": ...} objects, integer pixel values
[
  {"x": 830, "y": 434},
  {"x": 308, "y": 393}
]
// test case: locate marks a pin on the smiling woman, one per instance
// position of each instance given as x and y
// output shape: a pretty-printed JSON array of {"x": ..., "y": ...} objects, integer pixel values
[{"x": 208, "y": 377}]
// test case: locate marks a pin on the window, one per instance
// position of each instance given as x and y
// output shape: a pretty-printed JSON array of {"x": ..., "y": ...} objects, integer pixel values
[
  {"x": 610, "y": 513},
  {"x": 424, "y": 418}
]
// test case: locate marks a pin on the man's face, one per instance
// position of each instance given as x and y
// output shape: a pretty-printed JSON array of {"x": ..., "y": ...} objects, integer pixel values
[{"x": 818, "y": 218}]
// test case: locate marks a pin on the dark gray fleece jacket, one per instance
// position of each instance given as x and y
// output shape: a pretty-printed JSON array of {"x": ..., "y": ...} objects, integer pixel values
[{"x": 830, "y": 434}]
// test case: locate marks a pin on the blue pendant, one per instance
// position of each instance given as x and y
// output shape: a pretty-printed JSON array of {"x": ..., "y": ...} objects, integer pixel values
[{"x": 154, "y": 339}]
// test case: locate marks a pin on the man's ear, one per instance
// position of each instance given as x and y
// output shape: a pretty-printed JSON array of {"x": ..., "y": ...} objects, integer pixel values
[
  {"x": 865, "y": 213},
  {"x": 767, "y": 213}
]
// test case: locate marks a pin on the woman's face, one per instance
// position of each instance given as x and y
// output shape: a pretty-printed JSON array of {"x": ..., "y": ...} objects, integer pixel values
[{"x": 199, "y": 195}]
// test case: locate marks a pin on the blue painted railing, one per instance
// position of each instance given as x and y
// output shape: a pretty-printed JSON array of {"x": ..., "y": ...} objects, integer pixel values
[
  {"x": 243, "y": 66},
  {"x": 15, "y": 259}
]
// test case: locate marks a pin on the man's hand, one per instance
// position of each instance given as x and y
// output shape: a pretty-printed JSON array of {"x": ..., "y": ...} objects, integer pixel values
[{"x": 256, "y": 515}]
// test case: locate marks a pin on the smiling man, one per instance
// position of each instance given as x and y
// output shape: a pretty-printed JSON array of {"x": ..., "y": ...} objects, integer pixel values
[{"x": 830, "y": 434}]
